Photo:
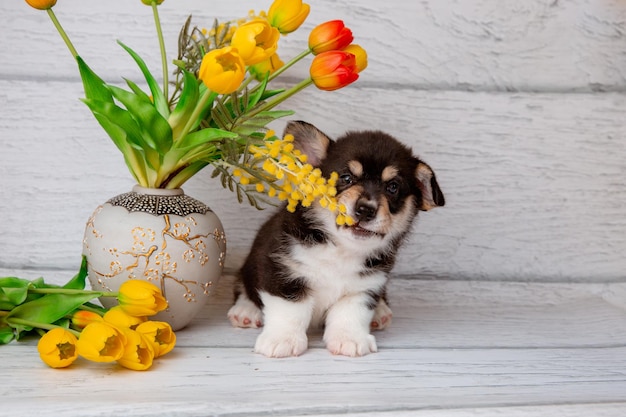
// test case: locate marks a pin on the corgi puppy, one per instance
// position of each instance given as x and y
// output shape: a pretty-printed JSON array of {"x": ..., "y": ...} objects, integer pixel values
[{"x": 304, "y": 270}]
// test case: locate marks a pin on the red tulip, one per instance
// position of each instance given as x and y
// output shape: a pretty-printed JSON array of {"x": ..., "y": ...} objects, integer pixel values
[
  {"x": 330, "y": 36},
  {"x": 333, "y": 70}
]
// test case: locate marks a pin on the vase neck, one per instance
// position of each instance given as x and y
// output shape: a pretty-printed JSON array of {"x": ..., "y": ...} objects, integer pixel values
[{"x": 157, "y": 191}]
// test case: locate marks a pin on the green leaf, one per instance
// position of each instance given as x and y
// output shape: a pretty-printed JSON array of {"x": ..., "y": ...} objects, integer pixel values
[
  {"x": 95, "y": 88},
  {"x": 186, "y": 104},
  {"x": 156, "y": 131},
  {"x": 13, "y": 291},
  {"x": 203, "y": 136},
  {"x": 49, "y": 308},
  {"x": 7, "y": 334},
  {"x": 138, "y": 91},
  {"x": 160, "y": 101},
  {"x": 78, "y": 281},
  {"x": 125, "y": 130},
  {"x": 258, "y": 94}
]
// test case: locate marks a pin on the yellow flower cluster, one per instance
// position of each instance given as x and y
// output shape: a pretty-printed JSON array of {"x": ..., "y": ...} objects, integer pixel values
[
  {"x": 289, "y": 178},
  {"x": 123, "y": 334}
]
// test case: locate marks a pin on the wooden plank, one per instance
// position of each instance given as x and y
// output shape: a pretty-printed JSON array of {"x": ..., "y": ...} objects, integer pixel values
[
  {"x": 430, "y": 314},
  {"x": 470, "y": 348},
  {"x": 220, "y": 381},
  {"x": 536, "y": 45},
  {"x": 534, "y": 182}
]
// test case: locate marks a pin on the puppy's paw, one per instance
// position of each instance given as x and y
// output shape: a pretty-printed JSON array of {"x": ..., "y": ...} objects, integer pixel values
[
  {"x": 245, "y": 314},
  {"x": 280, "y": 344},
  {"x": 347, "y": 345},
  {"x": 382, "y": 316}
]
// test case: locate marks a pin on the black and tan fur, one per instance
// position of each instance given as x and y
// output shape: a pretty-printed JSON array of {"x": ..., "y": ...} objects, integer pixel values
[{"x": 305, "y": 270}]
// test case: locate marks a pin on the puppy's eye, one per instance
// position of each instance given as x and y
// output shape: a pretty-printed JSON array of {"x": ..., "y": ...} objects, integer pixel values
[
  {"x": 346, "y": 179},
  {"x": 392, "y": 187}
]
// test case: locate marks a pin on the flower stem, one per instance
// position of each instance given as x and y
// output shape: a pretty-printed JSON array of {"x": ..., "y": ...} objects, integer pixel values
[
  {"x": 268, "y": 105},
  {"x": 70, "y": 291},
  {"x": 208, "y": 97},
  {"x": 64, "y": 36},
  {"x": 37, "y": 325},
  {"x": 157, "y": 23},
  {"x": 289, "y": 64}
]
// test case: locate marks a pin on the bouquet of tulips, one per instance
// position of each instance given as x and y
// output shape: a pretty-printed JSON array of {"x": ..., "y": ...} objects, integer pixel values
[
  {"x": 221, "y": 104},
  {"x": 71, "y": 326}
]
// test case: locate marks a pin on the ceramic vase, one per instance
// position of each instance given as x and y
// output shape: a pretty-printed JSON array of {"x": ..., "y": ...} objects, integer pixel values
[{"x": 161, "y": 236}]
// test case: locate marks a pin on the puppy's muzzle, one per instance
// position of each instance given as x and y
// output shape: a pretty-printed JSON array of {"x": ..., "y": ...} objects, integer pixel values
[{"x": 365, "y": 211}]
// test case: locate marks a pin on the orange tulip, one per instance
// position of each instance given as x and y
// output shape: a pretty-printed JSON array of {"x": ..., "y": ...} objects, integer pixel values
[
  {"x": 333, "y": 70},
  {"x": 81, "y": 318},
  {"x": 287, "y": 15},
  {"x": 41, "y": 4},
  {"x": 329, "y": 36}
]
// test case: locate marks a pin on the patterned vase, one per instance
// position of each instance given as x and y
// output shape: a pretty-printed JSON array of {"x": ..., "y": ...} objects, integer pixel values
[{"x": 161, "y": 236}]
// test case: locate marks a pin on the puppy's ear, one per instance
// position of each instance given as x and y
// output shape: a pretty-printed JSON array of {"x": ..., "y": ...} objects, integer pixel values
[
  {"x": 309, "y": 140},
  {"x": 431, "y": 193}
]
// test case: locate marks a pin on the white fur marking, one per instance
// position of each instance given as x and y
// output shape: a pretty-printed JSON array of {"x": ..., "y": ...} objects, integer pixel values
[
  {"x": 382, "y": 316},
  {"x": 286, "y": 323},
  {"x": 348, "y": 327},
  {"x": 245, "y": 313}
]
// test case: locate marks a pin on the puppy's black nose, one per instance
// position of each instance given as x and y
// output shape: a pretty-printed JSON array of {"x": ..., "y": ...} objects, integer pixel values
[{"x": 365, "y": 211}]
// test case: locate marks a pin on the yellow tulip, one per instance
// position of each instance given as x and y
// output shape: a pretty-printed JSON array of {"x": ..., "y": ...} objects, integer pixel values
[
  {"x": 160, "y": 334},
  {"x": 138, "y": 351},
  {"x": 256, "y": 41},
  {"x": 57, "y": 348},
  {"x": 287, "y": 15},
  {"x": 359, "y": 54},
  {"x": 222, "y": 70},
  {"x": 149, "y": 2},
  {"x": 41, "y": 4},
  {"x": 122, "y": 320},
  {"x": 141, "y": 298},
  {"x": 101, "y": 342}
]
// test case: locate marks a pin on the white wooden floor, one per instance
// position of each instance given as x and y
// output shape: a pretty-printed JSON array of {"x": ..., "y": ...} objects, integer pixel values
[{"x": 455, "y": 348}]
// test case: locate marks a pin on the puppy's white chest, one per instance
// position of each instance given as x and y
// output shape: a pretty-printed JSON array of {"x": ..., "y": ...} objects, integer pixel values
[{"x": 332, "y": 273}]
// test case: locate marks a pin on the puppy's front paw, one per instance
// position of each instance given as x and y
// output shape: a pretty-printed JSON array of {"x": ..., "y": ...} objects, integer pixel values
[
  {"x": 280, "y": 344},
  {"x": 382, "y": 316},
  {"x": 351, "y": 345},
  {"x": 245, "y": 314}
]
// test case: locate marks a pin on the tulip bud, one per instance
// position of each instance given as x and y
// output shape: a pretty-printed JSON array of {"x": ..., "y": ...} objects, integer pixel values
[
  {"x": 359, "y": 54},
  {"x": 329, "y": 36},
  {"x": 141, "y": 298},
  {"x": 287, "y": 15},
  {"x": 333, "y": 70},
  {"x": 41, "y": 4}
]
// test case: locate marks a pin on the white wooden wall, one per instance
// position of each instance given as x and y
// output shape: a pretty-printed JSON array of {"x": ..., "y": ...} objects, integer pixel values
[{"x": 519, "y": 106}]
